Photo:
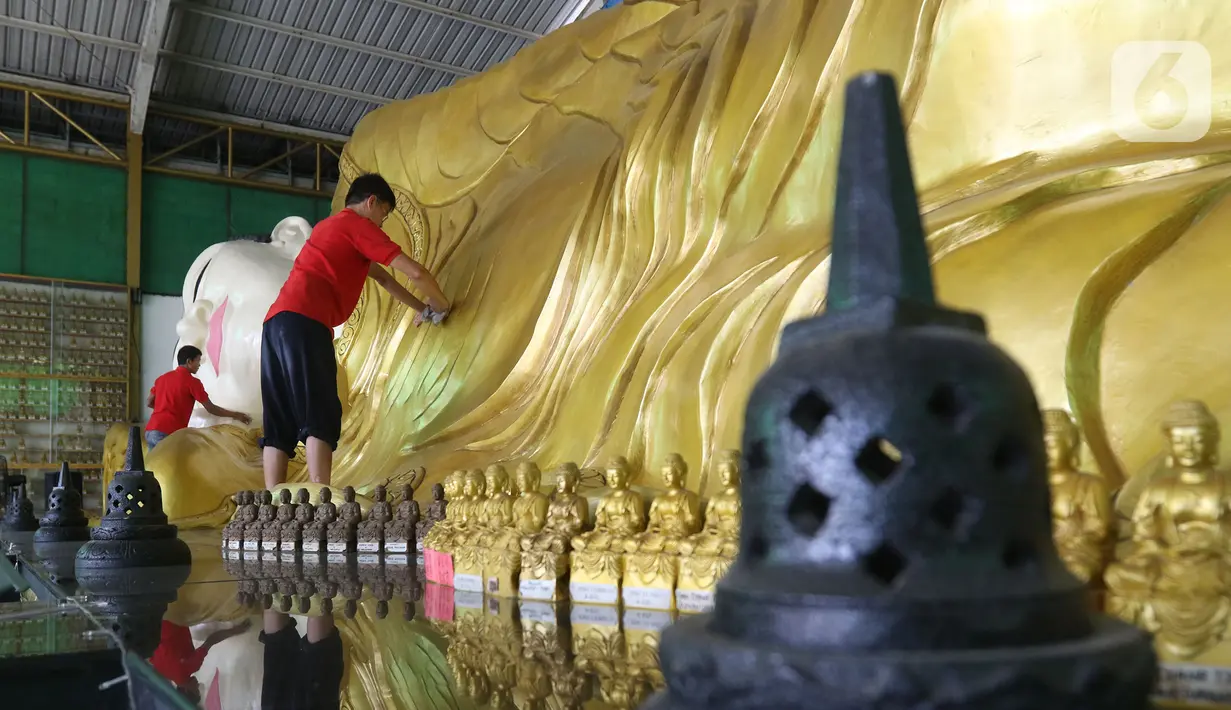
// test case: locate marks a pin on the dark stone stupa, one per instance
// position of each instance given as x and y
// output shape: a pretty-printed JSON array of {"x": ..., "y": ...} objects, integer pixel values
[
  {"x": 133, "y": 531},
  {"x": 65, "y": 519},
  {"x": 896, "y": 548}
]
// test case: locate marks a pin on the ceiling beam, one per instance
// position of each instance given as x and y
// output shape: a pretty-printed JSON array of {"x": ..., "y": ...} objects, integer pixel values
[
  {"x": 468, "y": 19},
  {"x": 328, "y": 40},
  {"x": 87, "y": 93},
  {"x": 58, "y": 31},
  {"x": 152, "y": 32},
  {"x": 277, "y": 78}
]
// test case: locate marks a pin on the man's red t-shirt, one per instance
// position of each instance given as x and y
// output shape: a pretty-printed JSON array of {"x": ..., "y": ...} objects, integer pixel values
[
  {"x": 328, "y": 275},
  {"x": 176, "y": 658},
  {"x": 174, "y": 394}
]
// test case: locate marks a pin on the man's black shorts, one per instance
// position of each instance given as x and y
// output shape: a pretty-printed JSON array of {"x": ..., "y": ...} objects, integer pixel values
[
  {"x": 299, "y": 382},
  {"x": 301, "y": 675}
]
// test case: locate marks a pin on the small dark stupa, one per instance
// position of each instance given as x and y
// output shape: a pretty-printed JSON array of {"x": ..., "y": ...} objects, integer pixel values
[
  {"x": 133, "y": 531},
  {"x": 896, "y": 548},
  {"x": 65, "y": 519},
  {"x": 19, "y": 511}
]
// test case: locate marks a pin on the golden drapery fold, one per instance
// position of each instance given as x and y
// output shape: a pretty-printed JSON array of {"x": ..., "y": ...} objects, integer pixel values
[{"x": 628, "y": 211}]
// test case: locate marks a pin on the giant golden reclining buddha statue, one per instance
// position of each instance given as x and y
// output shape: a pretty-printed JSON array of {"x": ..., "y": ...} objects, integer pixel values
[{"x": 628, "y": 211}]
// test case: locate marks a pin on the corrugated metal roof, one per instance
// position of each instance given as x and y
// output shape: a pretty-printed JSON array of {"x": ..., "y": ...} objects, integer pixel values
[{"x": 318, "y": 64}]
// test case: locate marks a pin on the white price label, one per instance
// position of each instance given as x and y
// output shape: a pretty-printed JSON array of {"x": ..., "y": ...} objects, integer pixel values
[
  {"x": 269, "y": 544},
  {"x": 648, "y": 598},
  {"x": 336, "y": 547},
  {"x": 468, "y": 583},
  {"x": 537, "y": 588},
  {"x": 311, "y": 545},
  {"x": 1186, "y": 683},
  {"x": 395, "y": 546},
  {"x": 233, "y": 544},
  {"x": 591, "y": 593},
  {"x": 251, "y": 545},
  {"x": 288, "y": 546},
  {"x": 368, "y": 546},
  {"x": 694, "y": 601}
]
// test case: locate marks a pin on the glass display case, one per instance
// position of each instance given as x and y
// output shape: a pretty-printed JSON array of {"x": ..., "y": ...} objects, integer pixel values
[{"x": 64, "y": 364}]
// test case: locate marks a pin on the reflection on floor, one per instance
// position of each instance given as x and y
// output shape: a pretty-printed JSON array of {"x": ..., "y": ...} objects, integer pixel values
[{"x": 415, "y": 645}]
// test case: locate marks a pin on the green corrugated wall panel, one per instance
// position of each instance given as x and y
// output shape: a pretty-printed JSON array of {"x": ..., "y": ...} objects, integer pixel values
[
  {"x": 259, "y": 211},
  {"x": 12, "y": 192},
  {"x": 74, "y": 220},
  {"x": 180, "y": 217}
]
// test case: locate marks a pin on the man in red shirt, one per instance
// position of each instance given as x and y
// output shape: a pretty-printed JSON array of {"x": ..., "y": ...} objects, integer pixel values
[
  {"x": 299, "y": 390},
  {"x": 173, "y": 395}
]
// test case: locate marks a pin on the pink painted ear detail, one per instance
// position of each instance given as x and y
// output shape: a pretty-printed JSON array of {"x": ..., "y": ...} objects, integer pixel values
[{"x": 213, "y": 346}]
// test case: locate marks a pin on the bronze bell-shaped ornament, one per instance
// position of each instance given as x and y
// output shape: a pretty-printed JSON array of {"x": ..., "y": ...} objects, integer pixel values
[{"x": 896, "y": 549}]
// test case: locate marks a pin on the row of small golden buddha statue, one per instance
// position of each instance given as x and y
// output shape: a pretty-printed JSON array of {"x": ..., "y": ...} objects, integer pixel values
[
  {"x": 1165, "y": 568},
  {"x": 507, "y": 538}
]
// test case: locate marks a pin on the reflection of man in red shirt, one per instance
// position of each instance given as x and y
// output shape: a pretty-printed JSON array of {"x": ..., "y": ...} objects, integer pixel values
[
  {"x": 173, "y": 395},
  {"x": 299, "y": 385},
  {"x": 177, "y": 659}
]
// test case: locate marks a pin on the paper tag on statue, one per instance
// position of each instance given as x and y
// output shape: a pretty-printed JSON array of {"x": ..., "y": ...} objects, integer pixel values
[
  {"x": 592, "y": 593},
  {"x": 595, "y": 615},
  {"x": 467, "y": 600},
  {"x": 646, "y": 620},
  {"x": 311, "y": 545},
  {"x": 251, "y": 545},
  {"x": 269, "y": 544},
  {"x": 233, "y": 544},
  {"x": 396, "y": 546},
  {"x": 396, "y": 560},
  {"x": 288, "y": 546},
  {"x": 648, "y": 598},
  {"x": 336, "y": 547},
  {"x": 694, "y": 601},
  {"x": 537, "y": 588},
  {"x": 335, "y": 558},
  {"x": 537, "y": 612},
  {"x": 1192, "y": 684},
  {"x": 493, "y": 585},
  {"x": 368, "y": 559},
  {"x": 468, "y": 583},
  {"x": 367, "y": 546}
]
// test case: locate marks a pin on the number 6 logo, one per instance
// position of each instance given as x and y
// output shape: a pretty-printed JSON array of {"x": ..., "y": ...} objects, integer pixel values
[{"x": 1161, "y": 92}]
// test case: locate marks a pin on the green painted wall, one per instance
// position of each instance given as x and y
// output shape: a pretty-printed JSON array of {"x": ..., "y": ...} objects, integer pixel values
[{"x": 66, "y": 219}]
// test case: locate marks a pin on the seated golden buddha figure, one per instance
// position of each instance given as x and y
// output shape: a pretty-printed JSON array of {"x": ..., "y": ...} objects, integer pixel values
[
  {"x": 598, "y": 555},
  {"x": 440, "y": 537},
  {"x": 1080, "y": 502},
  {"x": 706, "y": 556},
  {"x": 467, "y": 554},
  {"x": 1172, "y": 577},
  {"x": 651, "y": 565},
  {"x": 544, "y": 555},
  {"x": 529, "y": 513}
]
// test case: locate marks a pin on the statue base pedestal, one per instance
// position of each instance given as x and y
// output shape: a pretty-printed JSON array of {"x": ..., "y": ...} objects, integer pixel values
[
  {"x": 501, "y": 573},
  {"x": 649, "y": 580},
  {"x": 595, "y": 577},
  {"x": 698, "y": 579}
]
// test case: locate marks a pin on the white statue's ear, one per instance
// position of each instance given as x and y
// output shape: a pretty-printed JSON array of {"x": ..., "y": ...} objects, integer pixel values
[
  {"x": 291, "y": 234},
  {"x": 193, "y": 328}
]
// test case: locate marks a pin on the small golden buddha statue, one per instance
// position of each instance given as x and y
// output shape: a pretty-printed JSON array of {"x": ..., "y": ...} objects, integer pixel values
[
  {"x": 545, "y": 553},
  {"x": 1171, "y": 577},
  {"x": 597, "y": 563},
  {"x": 651, "y": 566},
  {"x": 1080, "y": 502},
  {"x": 620, "y": 515},
  {"x": 706, "y": 556},
  {"x": 528, "y": 514},
  {"x": 674, "y": 514},
  {"x": 498, "y": 508},
  {"x": 467, "y": 553}
]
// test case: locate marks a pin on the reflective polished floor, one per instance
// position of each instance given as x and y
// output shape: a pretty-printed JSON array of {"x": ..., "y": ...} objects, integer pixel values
[{"x": 248, "y": 629}]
